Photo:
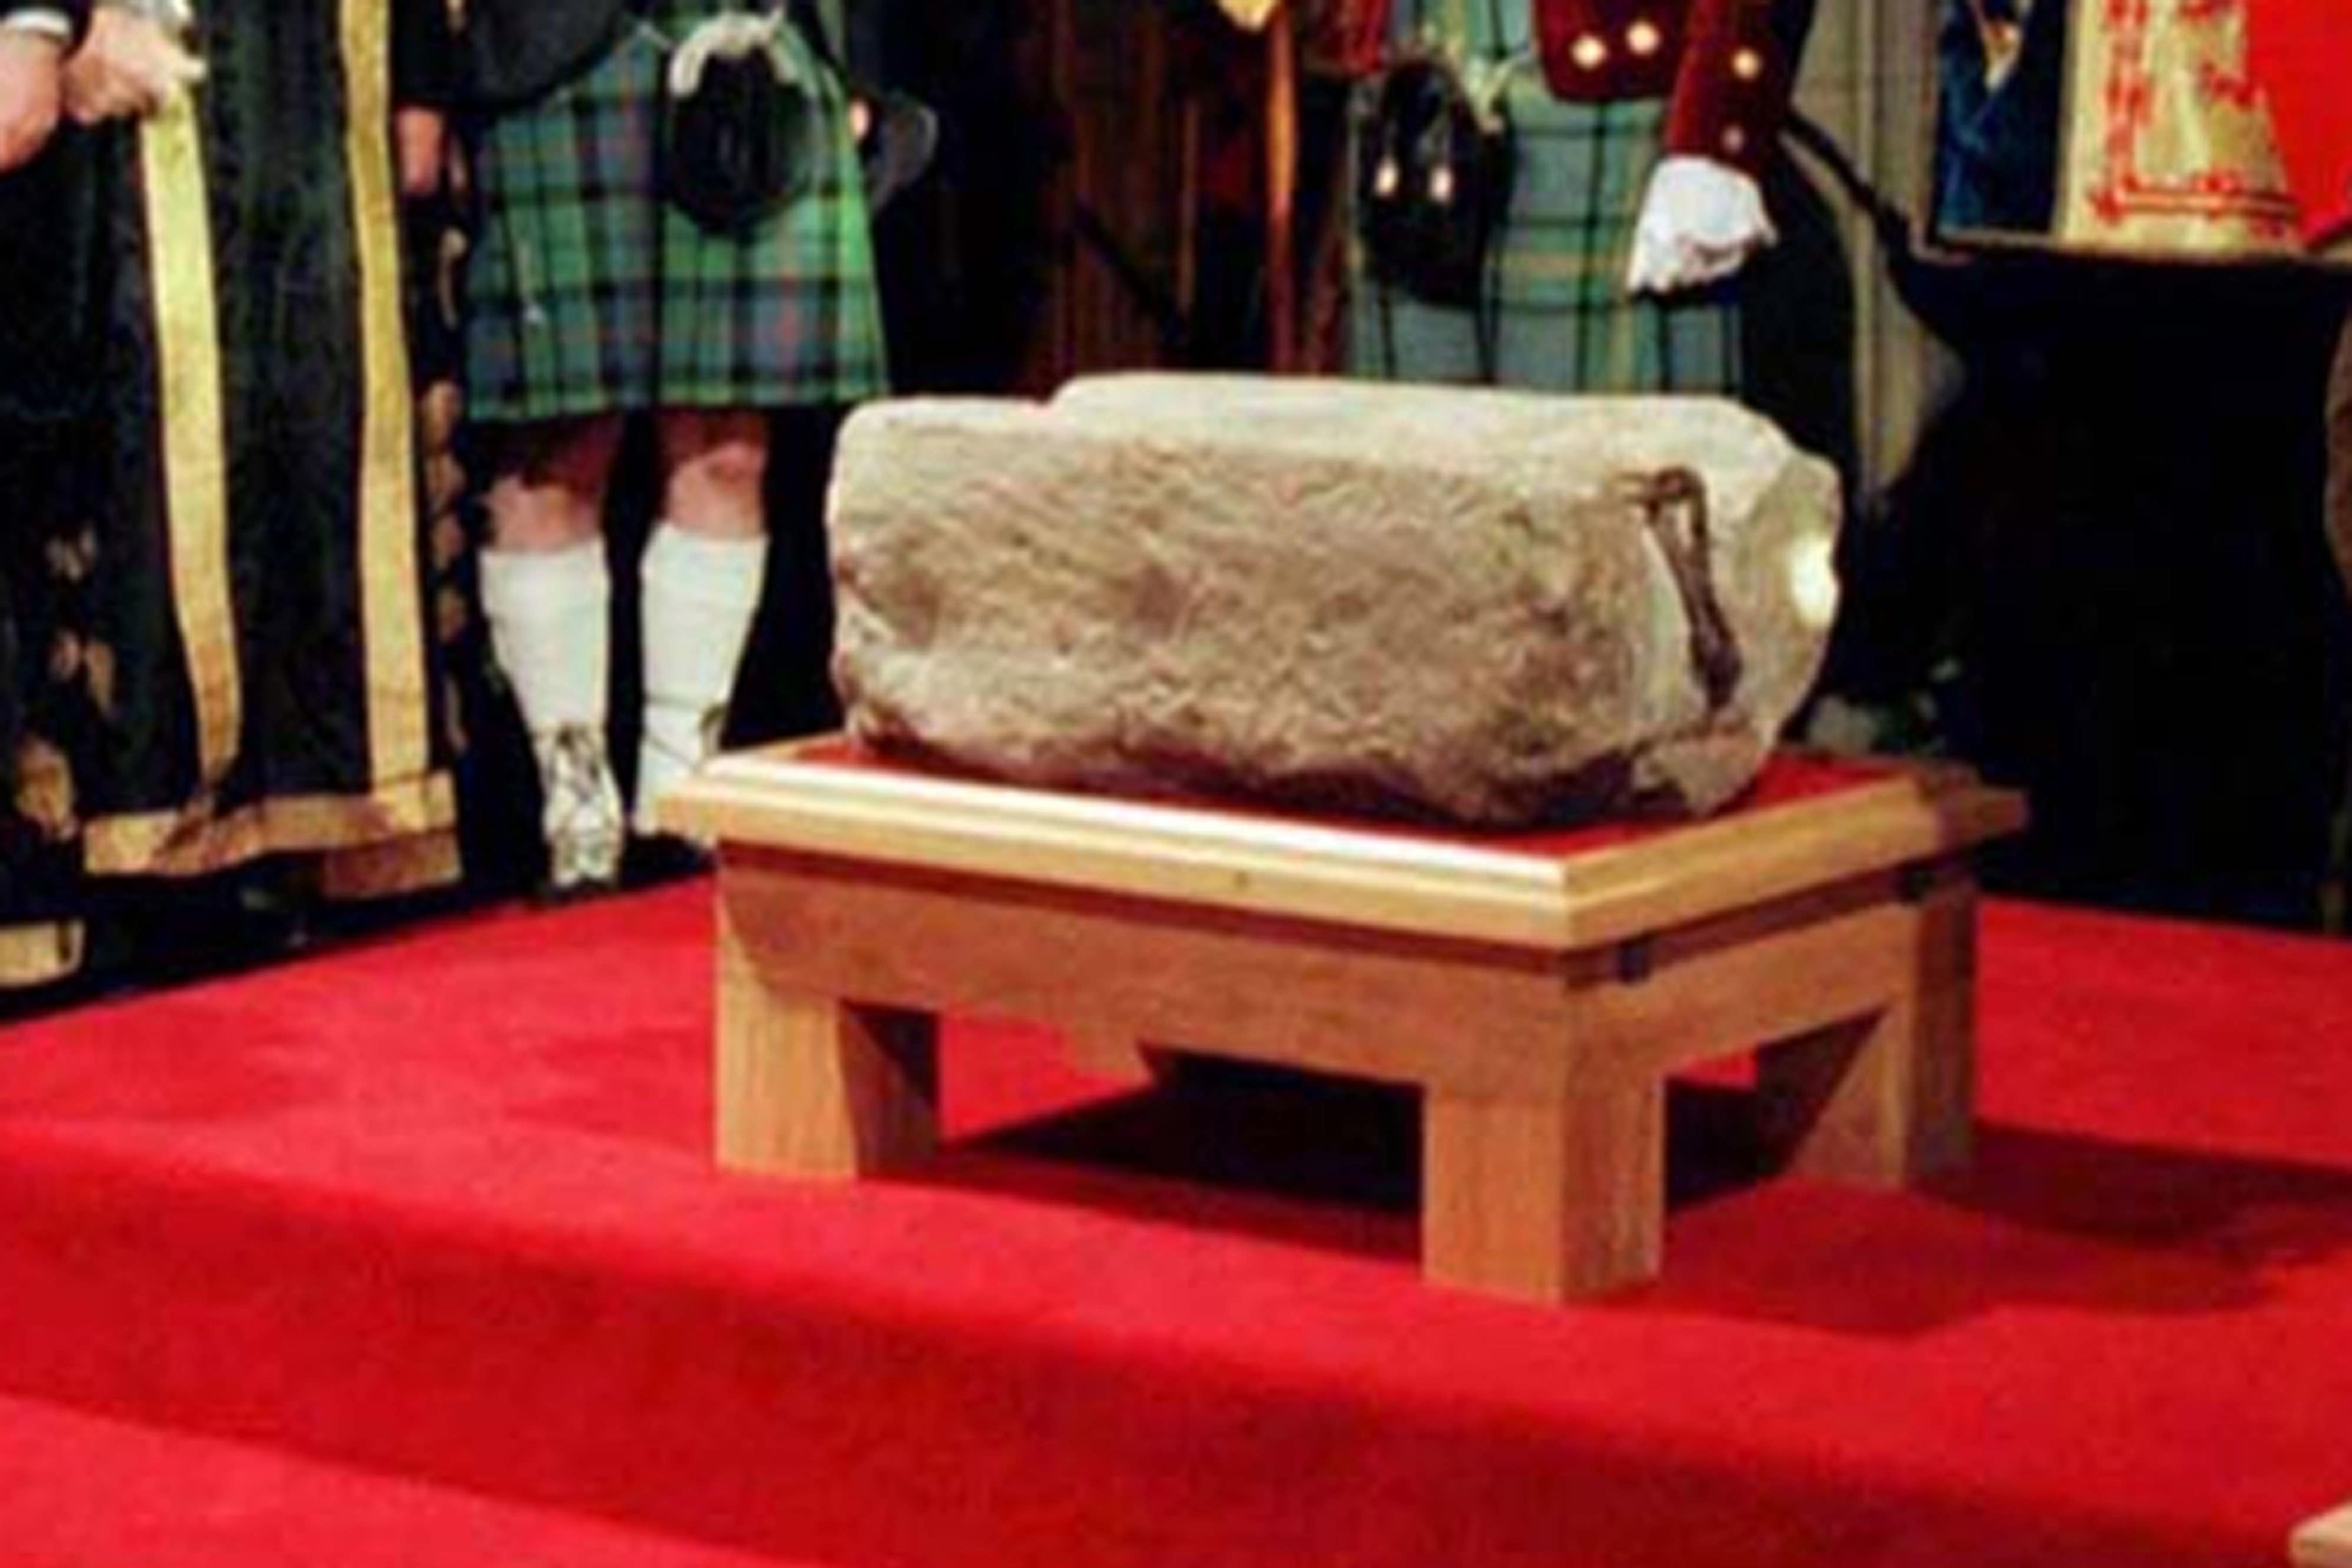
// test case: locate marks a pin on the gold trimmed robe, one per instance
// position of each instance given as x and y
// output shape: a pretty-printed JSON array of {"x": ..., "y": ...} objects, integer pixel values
[{"x": 213, "y": 539}]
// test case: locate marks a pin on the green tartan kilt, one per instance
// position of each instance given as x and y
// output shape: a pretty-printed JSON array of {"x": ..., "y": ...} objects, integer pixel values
[
  {"x": 589, "y": 294},
  {"x": 1560, "y": 317}
]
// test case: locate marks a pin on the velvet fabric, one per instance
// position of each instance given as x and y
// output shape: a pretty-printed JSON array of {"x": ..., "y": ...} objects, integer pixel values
[
  {"x": 213, "y": 557},
  {"x": 435, "y": 1213}
]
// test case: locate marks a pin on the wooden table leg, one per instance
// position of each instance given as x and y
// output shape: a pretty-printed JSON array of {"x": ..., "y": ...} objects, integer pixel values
[
  {"x": 1545, "y": 1201},
  {"x": 1888, "y": 1098},
  {"x": 811, "y": 1086}
]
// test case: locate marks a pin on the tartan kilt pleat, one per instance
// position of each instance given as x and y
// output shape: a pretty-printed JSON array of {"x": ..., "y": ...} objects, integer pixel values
[
  {"x": 587, "y": 293},
  {"x": 1560, "y": 319},
  {"x": 1560, "y": 316}
]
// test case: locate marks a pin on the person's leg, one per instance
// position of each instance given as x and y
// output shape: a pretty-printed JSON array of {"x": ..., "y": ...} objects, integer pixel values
[
  {"x": 701, "y": 576},
  {"x": 548, "y": 595},
  {"x": 703, "y": 567}
]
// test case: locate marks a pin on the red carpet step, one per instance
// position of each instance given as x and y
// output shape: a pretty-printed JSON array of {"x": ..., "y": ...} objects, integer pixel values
[
  {"x": 81, "y": 1491},
  {"x": 435, "y": 1212}
]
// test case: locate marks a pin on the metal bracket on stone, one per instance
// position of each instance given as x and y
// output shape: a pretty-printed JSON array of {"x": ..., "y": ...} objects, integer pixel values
[{"x": 1674, "y": 502}]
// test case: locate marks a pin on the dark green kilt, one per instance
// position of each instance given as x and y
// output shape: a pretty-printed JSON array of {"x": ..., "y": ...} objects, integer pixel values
[
  {"x": 1560, "y": 319},
  {"x": 588, "y": 294}
]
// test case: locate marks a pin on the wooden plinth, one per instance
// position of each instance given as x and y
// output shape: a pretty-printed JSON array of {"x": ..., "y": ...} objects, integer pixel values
[{"x": 1537, "y": 997}]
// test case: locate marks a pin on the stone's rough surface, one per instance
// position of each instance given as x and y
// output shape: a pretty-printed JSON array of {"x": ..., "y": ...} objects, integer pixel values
[{"x": 1336, "y": 594}]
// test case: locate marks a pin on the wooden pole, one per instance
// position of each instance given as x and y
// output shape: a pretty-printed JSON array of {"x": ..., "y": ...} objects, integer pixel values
[
  {"x": 1282, "y": 190},
  {"x": 1071, "y": 176}
]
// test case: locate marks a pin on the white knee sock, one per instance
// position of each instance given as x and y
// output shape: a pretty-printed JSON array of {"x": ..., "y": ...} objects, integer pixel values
[
  {"x": 551, "y": 615},
  {"x": 551, "y": 625},
  {"x": 699, "y": 595}
]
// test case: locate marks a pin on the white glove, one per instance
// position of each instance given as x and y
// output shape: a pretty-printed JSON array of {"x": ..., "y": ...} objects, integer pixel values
[{"x": 1700, "y": 222}]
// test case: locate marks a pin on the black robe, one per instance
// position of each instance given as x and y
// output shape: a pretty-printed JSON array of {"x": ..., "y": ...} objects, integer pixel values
[{"x": 211, "y": 481}]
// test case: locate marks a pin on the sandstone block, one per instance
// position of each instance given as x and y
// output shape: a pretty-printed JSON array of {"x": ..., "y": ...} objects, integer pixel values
[{"x": 1490, "y": 607}]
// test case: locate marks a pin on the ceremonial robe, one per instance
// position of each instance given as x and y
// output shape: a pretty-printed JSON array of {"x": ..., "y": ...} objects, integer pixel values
[{"x": 214, "y": 551}]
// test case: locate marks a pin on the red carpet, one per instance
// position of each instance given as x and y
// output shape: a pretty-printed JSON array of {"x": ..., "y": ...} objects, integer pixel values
[
  {"x": 82, "y": 1489},
  {"x": 422, "y": 1232}
]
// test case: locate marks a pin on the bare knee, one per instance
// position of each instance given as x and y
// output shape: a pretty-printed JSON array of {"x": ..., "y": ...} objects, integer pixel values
[
  {"x": 550, "y": 482},
  {"x": 715, "y": 467}
]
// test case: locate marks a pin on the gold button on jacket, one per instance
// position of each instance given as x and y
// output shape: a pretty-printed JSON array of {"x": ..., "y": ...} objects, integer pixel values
[{"x": 1720, "y": 64}]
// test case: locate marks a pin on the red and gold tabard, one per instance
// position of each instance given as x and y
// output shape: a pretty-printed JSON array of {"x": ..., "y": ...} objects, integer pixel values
[
  {"x": 1719, "y": 63},
  {"x": 2175, "y": 138},
  {"x": 2302, "y": 53}
]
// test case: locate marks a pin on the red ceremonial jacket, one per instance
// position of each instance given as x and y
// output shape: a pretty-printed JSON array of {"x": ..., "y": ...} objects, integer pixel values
[
  {"x": 2303, "y": 58},
  {"x": 1724, "y": 66}
]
